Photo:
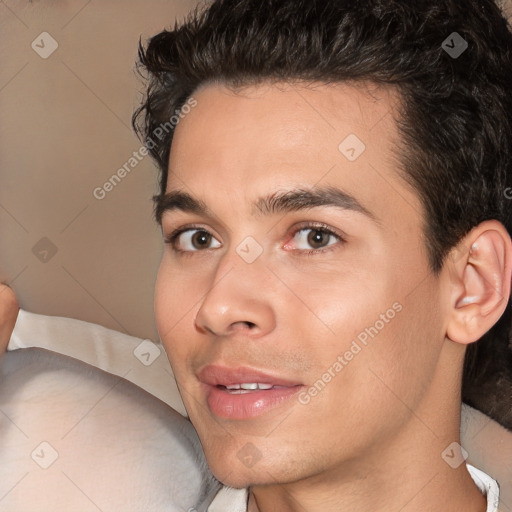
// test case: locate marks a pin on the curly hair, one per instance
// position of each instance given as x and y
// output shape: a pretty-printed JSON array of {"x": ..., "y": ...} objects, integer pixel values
[{"x": 455, "y": 117}]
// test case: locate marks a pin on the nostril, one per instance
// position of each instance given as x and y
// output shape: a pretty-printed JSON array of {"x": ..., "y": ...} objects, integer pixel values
[{"x": 243, "y": 324}]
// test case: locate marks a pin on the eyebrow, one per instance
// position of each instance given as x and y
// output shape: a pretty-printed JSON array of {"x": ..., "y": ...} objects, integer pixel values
[{"x": 276, "y": 203}]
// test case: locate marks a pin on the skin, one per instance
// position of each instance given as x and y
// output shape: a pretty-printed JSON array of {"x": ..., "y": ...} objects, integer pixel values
[
  {"x": 395, "y": 407},
  {"x": 9, "y": 308}
]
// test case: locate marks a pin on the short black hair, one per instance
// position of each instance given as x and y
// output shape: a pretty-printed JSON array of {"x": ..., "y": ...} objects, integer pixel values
[{"x": 449, "y": 60}]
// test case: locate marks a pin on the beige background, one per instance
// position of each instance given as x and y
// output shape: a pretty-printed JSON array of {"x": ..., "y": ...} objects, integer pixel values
[{"x": 64, "y": 130}]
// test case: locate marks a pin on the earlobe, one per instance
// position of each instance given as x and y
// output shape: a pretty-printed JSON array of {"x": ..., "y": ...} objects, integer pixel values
[{"x": 480, "y": 282}]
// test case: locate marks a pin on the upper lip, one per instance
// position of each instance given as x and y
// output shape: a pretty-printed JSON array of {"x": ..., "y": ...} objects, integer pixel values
[{"x": 216, "y": 375}]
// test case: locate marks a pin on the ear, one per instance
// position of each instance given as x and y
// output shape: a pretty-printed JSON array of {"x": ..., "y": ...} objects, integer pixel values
[{"x": 480, "y": 281}]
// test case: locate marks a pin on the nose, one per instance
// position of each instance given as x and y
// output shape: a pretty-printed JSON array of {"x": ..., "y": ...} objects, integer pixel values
[{"x": 238, "y": 302}]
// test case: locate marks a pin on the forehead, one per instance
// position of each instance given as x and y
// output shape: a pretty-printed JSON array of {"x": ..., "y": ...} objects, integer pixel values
[
  {"x": 290, "y": 115},
  {"x": 259, "y": 139}
]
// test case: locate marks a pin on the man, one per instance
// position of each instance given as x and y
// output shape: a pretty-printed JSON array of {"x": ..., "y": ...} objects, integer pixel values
[
  {"x": 337, "y": 225},
  {"x": 334, "y": 208}
]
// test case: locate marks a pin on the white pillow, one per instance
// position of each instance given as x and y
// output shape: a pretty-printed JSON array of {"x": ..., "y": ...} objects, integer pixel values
[
  {"x": 140, "y": 361},
  {"x": 74, "y": 437}
]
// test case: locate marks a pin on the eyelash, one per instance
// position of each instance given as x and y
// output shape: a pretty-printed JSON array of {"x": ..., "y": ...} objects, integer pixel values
[{"x": 172, "y": 238}]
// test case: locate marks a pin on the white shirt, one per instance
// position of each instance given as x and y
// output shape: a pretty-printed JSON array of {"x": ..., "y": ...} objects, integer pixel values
[{"x": 235, "y": 500}]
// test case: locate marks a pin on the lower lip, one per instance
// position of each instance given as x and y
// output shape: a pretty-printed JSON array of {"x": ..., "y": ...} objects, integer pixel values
[{"x": 247, "y": 405}]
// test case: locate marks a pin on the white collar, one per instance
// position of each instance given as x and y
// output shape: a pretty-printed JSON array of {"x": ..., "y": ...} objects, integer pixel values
[
  {"x": 229, "y": 500},
  {"x": 488, "y": 487},
  {"x": 235, "y": 500}
]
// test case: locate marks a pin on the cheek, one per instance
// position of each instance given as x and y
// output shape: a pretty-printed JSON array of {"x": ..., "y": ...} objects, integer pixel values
[
  {"x": 374, "y": 323},
  {"x": 401, "y": 356},
  {"x": 178, "y": 289},
  {"x": 177, "y": 295},
  {"x": 334, "y": 305}
]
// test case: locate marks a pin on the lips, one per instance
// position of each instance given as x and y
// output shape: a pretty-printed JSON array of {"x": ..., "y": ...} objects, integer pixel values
[
  {"x": 223, "y": 376},
  {"x": 244, "y": 393}
]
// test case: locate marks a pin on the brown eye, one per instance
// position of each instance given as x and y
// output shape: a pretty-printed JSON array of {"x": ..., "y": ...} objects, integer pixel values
[
  {"x": 193, "y": 240},
  {"x": 201, "y": 239},
  {"x": 318, "y": 238},
  {"x": 313, "y": 238}
]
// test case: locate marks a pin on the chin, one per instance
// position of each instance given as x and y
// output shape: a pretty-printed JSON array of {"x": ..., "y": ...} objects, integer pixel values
[
  {"x": 247, "y": 478},
  {"x": 229, "y": 470},
  {"x": 245, "y": 467},
  {"x": 236, "y": 482}
]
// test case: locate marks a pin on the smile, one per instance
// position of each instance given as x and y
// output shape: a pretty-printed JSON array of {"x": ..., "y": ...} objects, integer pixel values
[
  {"x": 243, "y": 393},
  {"x": 247, "y": 387}
]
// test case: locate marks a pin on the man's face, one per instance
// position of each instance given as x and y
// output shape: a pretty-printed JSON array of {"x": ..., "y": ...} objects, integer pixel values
[{"x": 305, "y": 272}]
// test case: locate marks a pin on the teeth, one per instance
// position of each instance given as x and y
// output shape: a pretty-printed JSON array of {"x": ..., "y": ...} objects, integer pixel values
[
  {"x": 265, "y": 386},
  {"x": 249, "y": 386}
]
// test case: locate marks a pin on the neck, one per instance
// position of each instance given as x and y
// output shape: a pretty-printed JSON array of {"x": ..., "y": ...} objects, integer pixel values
[
  {"x": 419, "y": 480},
  {"x": 406, "y": 472}
]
